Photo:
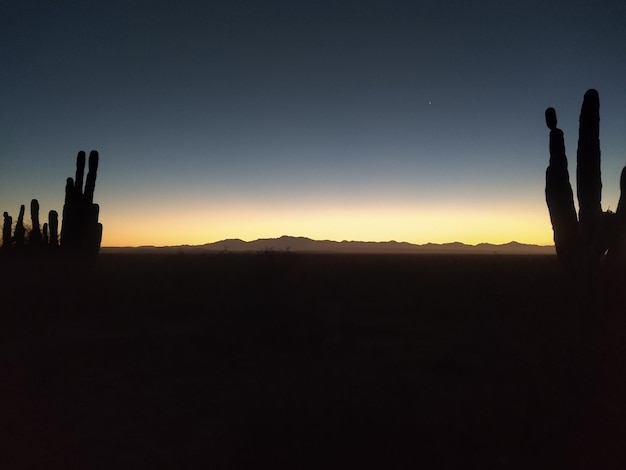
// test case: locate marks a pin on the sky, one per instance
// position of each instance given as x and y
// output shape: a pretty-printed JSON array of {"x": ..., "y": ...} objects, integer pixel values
[{"x": 418, "y": 121}]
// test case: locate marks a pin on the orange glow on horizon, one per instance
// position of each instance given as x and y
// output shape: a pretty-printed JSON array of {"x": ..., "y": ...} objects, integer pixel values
[{"x": 410, "y": 224}]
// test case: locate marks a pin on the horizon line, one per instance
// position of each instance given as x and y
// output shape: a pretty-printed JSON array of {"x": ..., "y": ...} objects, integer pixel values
[{"x": 455, "y": 242}]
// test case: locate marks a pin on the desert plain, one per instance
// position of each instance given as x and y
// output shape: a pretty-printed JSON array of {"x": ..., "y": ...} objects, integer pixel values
[{"x": 287, "y": 360}]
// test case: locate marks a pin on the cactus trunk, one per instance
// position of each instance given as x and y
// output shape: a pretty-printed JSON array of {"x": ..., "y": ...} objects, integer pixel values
[
  {"x": 53, "y": 226},
  {"x": 7, "y": 227},
  {"x": 34, "y": 238},
  {"x": 20, "y": 232}
]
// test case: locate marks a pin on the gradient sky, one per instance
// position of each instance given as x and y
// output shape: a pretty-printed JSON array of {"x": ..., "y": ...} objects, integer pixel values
[{"x": 419, "y": 121}]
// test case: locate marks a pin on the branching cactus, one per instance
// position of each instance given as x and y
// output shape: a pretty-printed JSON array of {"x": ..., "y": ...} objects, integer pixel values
[
  {"x": 591, "y": 244},
  {"x": 584, "y": 242},
  {"x": 80, "y": 232},
  {"x": 51, "y": 231}
]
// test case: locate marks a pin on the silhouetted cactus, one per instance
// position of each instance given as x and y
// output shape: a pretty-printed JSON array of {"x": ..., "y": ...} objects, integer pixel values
[
  {"x": 53, "y": 227},
  {"x": 591, "y": 244},
  {"x": 7, "y": 228},
  {"x": 80, "y": 231},
  {"x": 34, "y": 238},
  {"x": 19, "y": 235},
  {"x": 583, "y": 241}
]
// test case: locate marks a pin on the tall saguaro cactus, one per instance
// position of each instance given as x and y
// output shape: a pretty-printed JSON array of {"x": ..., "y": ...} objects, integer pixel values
[
  {"x": 80, "y": 231},
  {"x": 583, "y": 241},
  {"x": 591, "y": 244}
]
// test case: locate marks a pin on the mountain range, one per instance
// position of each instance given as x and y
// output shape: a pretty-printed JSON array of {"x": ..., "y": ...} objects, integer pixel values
[{"x": 307, "y": 245}]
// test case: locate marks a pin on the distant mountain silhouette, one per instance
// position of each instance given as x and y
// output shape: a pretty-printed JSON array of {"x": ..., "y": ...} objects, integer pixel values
[{"x": 307, "y": 245}]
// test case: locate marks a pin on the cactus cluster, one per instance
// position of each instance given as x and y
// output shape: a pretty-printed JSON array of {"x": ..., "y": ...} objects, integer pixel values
[
  {"x": 81, "y": 233},
  {"x": 20, "y": 240},
  {"x": 593, "y": 237}
]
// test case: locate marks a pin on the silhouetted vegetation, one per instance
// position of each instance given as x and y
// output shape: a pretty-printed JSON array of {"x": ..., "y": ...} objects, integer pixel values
[
  {"x": 34, "y": 237},
  {"x": 19, "y": 236},
  {"x": 592, "y": 247},
  {"x": 582, "y": 242},
  {"x": 590, "y": 244},
  {"x": 53, "y": 228},
  {"x": 81, "y": 233},
  {"x": 7, "y": 229}
]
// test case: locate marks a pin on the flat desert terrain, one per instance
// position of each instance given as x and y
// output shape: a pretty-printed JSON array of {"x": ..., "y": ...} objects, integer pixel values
[{"x": 284, "y": 360}]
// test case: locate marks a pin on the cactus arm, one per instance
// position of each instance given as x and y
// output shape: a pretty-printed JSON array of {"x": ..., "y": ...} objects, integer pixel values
[
  {"x": 53, "y": 224},
  {"x": 90, "y": 184},
  {"x": 67, "y": 227},
  {"x": 80, "y": 172},
  {"x": 621, "y": 205},
  {"x": 618, "y": 247},
  {"x": 69, "y": 190},
  {"x": 35, "y": 234},
  {"x": 20, "y": 232},
  {"x": 588, "y": 177},
  {"x": 559, "y": 195}
]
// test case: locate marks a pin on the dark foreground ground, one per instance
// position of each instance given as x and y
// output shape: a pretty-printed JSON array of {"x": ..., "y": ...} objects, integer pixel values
[{"x": 298, "y": 361}]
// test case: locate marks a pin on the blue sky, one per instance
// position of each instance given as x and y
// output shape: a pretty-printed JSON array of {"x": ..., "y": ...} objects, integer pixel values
[{"x": 360, "y": 120}]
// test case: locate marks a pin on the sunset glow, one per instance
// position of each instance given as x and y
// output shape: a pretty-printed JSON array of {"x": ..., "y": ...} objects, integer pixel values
[
  {"x": 415, "y": 225},
  {"x": 409, "y": 122}
]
